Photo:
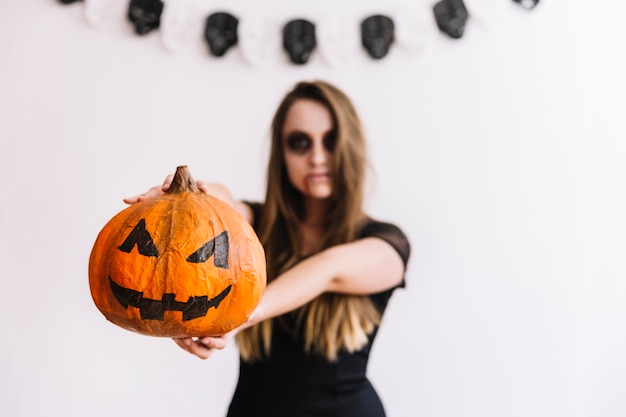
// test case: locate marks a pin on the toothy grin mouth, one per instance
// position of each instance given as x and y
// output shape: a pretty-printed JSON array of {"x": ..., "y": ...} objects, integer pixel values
[{"x": 149, "y": 309}]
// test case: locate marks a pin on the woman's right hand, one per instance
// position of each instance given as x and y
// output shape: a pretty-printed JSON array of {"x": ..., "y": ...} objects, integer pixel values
[
  {"x": 152, "y": 192},
  {"x": 203, "y": 347}
]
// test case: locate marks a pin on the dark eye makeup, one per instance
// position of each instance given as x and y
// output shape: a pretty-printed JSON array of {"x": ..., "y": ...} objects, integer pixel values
[
  {"x": 300, "y": 142},
  {"x": 330, "y": 139}
]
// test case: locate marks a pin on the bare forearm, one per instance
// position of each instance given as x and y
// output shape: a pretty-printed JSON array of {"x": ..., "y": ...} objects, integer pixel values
[
  {"x": 363, "y": 267},
  {"x": 295, "y": 287}
]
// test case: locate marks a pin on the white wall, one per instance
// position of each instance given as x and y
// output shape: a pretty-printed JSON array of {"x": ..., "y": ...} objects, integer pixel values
[{"x": 501, "y": 155}]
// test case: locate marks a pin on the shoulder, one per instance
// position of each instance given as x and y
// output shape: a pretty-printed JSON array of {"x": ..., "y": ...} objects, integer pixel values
[
  {"x": 388, "y": 232},
  {"x": 256, "y": 208},
  {"x": 371, "y": 227}
]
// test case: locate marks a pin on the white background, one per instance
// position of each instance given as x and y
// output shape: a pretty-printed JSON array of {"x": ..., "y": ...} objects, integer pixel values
[{"x": 502, "y": 155}]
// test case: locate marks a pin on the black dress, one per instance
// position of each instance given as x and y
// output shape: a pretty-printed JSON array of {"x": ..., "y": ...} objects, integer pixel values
[{"x": 292, "y": 383}]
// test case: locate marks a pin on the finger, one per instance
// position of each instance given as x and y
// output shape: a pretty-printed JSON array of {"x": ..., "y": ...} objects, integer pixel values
[
  {"x": 183, "y": 343},
  {"x": 194, "y": 347},
  {"x": 214, "y": 342},
  {"x": 167, "y": 182},
  {"x": 202, "y": 186},
  {"x": 141, "y": 197},
  {"x": 200, "y": 350},
  {"x": 131, "y": 200},
  {"x": 152, "y": 192}
]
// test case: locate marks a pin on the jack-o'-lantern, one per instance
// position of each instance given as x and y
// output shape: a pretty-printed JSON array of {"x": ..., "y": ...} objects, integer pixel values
[{"x": 182, "y": 264}]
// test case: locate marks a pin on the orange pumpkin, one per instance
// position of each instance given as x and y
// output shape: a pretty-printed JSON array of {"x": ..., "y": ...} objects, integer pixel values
[{"x": 180, "y": 265}]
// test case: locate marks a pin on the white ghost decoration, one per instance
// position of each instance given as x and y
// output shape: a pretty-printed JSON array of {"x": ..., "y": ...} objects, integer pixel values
[
  {"x": 258, "y": 39},
  {"x": 175, "y": 25},
  {"x": 337, "y": 39},
  {"x": 97, "y": 11},
  {"x": 415, "y": 30}
]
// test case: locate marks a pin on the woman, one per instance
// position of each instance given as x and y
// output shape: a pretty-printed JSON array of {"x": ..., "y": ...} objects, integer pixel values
[{"x": 331, "y": 269}]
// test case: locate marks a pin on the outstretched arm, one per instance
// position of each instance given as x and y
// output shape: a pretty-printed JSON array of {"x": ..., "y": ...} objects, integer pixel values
[{"x": 365, "y": 266}]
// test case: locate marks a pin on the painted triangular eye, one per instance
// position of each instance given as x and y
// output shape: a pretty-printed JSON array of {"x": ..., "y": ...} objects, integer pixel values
[
  {"x": 218, "y": 246},
  {"x": 140, "y": 237}
]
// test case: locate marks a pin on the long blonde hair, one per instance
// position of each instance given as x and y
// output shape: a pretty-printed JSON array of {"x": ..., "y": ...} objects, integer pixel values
[{"x": 330, "y": 322}]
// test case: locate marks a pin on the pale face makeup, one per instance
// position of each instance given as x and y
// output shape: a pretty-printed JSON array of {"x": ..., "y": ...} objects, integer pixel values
[{"x": 308, "y": 140}]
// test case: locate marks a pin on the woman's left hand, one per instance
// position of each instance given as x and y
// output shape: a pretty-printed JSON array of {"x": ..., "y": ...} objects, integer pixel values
[{"x": 203, "y": 347}]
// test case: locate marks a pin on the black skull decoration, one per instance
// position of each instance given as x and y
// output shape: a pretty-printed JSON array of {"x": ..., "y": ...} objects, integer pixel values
[
  {"x": 220, "y": 32},
  {"x": 451, "y": 16},
  {"x": 527, "y": 4},
  {"x": 377, "y": 35},
  {"x": 145, "y": 15},
  {"x": 299, "y": 40}
]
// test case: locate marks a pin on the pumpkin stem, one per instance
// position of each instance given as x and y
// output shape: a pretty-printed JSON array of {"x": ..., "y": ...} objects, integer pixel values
[{"x": 182, "y": 182}]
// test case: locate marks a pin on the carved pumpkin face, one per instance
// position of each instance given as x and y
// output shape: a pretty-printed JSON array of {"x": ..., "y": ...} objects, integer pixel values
[{"x": 180, "y": 265}]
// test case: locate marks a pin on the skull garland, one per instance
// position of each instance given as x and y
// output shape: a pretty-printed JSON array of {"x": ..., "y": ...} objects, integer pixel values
[
  {"x": 299, "y": 35},
  {"x": 377, "y": 35},
  {"x": 145, "y": 15},
  {"x": 451, "y": 16},
  {"x": 299, "y": 40},
  {"x": 221, "y": 32}
]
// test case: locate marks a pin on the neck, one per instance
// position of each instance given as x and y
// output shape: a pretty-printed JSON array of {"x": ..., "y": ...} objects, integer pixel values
[
  {"x": 312, "y": 227},
  {"x": 315, "y": 212}
]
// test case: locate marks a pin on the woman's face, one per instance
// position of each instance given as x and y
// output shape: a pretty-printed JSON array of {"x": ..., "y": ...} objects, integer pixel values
[{"x": 308, "y": 140}]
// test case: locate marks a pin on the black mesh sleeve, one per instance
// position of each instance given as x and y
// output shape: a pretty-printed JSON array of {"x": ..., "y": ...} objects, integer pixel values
[{"x": 391, "y": 234}]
